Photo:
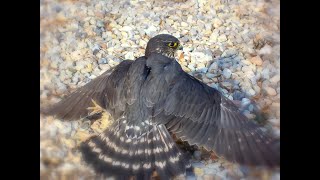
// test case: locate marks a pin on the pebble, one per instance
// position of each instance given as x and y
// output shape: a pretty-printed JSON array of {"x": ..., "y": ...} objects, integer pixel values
[
  {"x": 213, "y": 67},
  {"x": 95, "y": 49},
  {"x": 201, "y": 65},
  {"x": 248, "y": 71},
  {"x": 250, "y": 108},
  {"x": 129, "y": 56},
  {"x": 210, "y": 76},
  {"x": 230, "y": 52},
  {"x": 193, "y": 32},
  {"x": 245, "y": 102},
  {"x": 127, "y": 28},
  {"x": 267, "y": 49},
  {"x": 214, "y": 37},
  {"x": 217, "y": 23},
  {"x": 270, "y": 91},
  {"x": 100, "y": 23},
  {"x": 256, "y": 60},
  {"x": 222, "y": 38},
  {"x": 275, "y": 79},
  {"x": 197, "y": 155},
  {"x": 202, "y": 70},
  {"x": 257, "y": 89},
  {"x": 198, "y": 171},
  {"x": 251, "y": 92},
  {"x": 150, "y": 31},
  {"x": 246, "y": 62},
  {"x": 265, "y": 73},
  {"x": 184, "y": 24},
  {"x": 237, "y": 95},
  {"x": 227, "y": 73},
  {"x": 217, "y": 53},
  {"x": 191, "y": 67},
  {"x": 103, "y": 61},
  {"x": 227, "y": 85}
]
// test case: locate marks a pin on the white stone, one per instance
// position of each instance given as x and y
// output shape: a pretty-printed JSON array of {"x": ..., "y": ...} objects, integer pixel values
[
  {"x": 267, "y": 49},
  {"x": 129, "y": 56},
  {"x": 270, "y": 91},
  {"x": 150, "y": 30},
  {"x": 184, "y": 24},
  {"x": 126, "y": 28},
  {"x": 214, "y": 37},
  {"x": 275, "y": 79},
  {"x": 222, "y": 38},
  {"x": 217, "y": 23}
]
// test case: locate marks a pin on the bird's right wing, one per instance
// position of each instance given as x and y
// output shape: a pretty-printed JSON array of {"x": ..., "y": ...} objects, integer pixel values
[{"x": 74, "y": 106}]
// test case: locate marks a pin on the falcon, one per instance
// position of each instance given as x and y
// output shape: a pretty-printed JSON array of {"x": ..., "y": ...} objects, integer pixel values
[{"x": 151, "y": 97}]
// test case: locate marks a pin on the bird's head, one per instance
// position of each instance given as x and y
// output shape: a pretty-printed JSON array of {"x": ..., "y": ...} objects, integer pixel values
[{"x": 164, "y": 44}]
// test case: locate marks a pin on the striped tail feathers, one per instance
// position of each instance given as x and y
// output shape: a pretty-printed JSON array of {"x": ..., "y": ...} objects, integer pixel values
[
  {"x": 169, "y": 160},
  {"x": 112, "y": 153}
]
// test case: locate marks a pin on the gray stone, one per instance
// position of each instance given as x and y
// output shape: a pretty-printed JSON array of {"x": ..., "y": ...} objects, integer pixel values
[
  {"x": 210, "y": 76},
  {"x": 250, "y": 108},
  {"x": 213, "y": 67},
  {"x": 191, "y": 67},
  {"x": 265, "y": 73},
  {"x": 226, "y": 84},
  {"x": 197, "y": 155},
  {"x": 100, "y": 23},
  {"x": 103, "y": 61},
  {"x": 227, "y": 73},
  {"x": 245, "y": 102},
  {"x": 237, "y": 95},
  {"x": 95, "y": 49}
]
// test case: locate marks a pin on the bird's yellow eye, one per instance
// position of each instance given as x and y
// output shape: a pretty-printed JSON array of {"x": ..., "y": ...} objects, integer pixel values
[{"x": 173, "y": 45}]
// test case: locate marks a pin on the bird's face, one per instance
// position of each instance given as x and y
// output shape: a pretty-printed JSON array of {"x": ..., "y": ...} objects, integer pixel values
[{"x": 164, "y": 44}]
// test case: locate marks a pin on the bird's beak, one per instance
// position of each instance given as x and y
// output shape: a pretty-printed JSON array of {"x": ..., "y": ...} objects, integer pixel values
[{"x": 180, "y": 47}]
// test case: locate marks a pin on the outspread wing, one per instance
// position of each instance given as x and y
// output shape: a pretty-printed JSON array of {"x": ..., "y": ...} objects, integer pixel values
[
  {"x": 74, "y": 106},
  {"x": 201, "y": 115}
]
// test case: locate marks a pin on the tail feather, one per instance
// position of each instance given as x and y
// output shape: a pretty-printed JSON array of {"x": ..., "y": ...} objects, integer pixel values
[
  {"x": 173, "y": 160},
  {"x": 112, "y": 153}
]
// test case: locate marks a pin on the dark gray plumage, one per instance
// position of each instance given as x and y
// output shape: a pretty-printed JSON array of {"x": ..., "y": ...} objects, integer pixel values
[{"x": 150, "y": 95}]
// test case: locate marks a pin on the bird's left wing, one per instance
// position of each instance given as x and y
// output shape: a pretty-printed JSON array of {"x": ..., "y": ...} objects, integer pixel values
[{"x": 201, "y": 115}]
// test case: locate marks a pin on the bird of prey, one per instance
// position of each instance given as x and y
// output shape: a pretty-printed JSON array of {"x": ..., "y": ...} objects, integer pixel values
[{"x": 152, "y": 96}]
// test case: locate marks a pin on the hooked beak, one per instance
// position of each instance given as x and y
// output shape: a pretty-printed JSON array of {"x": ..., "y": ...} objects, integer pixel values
[{"x": 180, "y": 47}]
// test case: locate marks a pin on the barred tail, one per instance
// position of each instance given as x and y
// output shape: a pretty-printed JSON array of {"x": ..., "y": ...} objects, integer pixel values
[{"x": 112, "y": 153}]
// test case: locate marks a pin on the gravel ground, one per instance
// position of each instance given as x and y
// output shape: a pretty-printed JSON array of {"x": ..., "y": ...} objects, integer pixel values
[{"x": 233, "y": 46}]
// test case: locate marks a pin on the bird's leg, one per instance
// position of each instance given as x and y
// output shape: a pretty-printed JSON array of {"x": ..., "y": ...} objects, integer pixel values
[{"x": 96, "y": 109}]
